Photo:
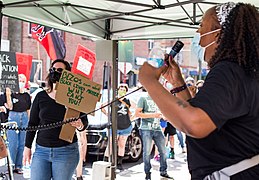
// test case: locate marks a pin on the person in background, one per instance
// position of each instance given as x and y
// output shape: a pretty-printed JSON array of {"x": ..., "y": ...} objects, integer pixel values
[
  {"x": 19, "y": 110},
  {"x": 190, "y": 83},
  {"x": 171, "y": 131},
  {"x": 181, "y": 140},
  {"x": 221, "y": 121},
  {"x": 199, "y": 84},
  {"x": 163, "y": 124},
  {"x": 53, "y": 158},
  {"x": 82, "y": 140},
  {"x": 150, "y": 129},
  {"x": 5, "y": 104},
  {"x": 123, "y": 123}
]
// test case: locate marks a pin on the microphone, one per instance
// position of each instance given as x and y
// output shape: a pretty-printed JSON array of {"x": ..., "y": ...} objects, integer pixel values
[
  {"x": 159, "y": 60},
  {"x": 176, "y": 48}
]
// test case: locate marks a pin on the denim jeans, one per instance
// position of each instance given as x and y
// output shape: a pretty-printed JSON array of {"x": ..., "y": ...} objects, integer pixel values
[
  {"x": 16, "y": 138},
  {"x": 180, "y": 138},
  {"x": 58, "y": 163},
  {"x": 159, "y": 139}
]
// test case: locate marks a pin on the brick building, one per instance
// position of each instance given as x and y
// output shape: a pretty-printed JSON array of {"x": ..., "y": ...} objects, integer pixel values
[{"x": 141, "y": 49}]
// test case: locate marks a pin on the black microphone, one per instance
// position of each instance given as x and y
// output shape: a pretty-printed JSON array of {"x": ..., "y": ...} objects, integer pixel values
[{"x": 176, "y": 48}]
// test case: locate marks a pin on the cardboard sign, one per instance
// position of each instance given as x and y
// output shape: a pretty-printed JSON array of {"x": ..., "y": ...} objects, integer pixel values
[
  {"x": 84, "y": 62},
  {"x": 24, "y": 62},
  {"x": 67, "y": 132},
  {"x": 77, "y": 92},
  {"x": 8, "y": 71}
]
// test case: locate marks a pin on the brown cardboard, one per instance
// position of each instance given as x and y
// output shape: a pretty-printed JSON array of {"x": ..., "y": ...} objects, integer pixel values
[
  {"x": 77, "y": 92},
  {"x": 67, "y": 132}
]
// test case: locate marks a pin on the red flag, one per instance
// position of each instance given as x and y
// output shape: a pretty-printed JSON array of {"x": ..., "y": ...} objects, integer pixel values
[
  {"x": 50, "y": 39},
  {"x": 84, "y": 62}
]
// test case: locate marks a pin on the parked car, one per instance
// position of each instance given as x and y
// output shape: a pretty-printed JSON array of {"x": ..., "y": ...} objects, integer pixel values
[{"x": 97, "y": 136}]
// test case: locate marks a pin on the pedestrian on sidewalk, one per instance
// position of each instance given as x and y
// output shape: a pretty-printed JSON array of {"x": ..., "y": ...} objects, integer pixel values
[
  {"x": 19, "y": 112},
  {"x": 123, "y": 124},
  {"x": 150, "y": 129}
]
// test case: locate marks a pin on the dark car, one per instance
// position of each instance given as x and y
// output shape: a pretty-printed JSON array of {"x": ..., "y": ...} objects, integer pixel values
[{"x": 97, "y": 137}]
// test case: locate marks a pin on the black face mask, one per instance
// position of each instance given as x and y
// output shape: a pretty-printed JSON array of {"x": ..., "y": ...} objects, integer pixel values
[{"x": 55, "y": 74}]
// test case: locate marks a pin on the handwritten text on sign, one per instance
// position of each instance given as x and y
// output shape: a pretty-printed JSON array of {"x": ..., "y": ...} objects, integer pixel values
[{"x": 77, "y": 92}]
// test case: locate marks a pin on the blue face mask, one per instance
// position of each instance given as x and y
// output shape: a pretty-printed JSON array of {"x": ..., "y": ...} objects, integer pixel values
[
  {"x": 197, "y": 49},
  {"x": 21, "y": 85}
]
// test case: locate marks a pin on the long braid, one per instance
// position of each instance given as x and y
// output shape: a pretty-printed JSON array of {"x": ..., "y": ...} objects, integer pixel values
[{"x": 239, "y": 40}]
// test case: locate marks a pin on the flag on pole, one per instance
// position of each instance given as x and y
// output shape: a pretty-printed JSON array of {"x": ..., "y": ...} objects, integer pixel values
[{"x": 51, "y": 40}]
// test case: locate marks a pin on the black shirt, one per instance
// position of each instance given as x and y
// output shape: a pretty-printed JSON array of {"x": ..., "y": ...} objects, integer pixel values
[
  {"x": 3, "y": 115},
  {"x": 123, "y": 114},
  {"x": 21, "y": 102},
  {"x": 45, "y": 110},
  {"x": 231, "y": 99}
]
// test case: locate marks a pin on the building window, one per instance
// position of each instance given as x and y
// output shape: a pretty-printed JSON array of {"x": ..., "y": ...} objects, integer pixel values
[{"x": 36, "y": 71}]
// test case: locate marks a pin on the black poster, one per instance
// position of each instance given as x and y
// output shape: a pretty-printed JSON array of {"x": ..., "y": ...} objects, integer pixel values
[{"x": 8, "y": 71}]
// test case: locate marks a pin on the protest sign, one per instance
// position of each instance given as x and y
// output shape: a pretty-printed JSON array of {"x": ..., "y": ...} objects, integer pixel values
[
  {"x": 84, "y": 62},
  {"x": 8, "y": 71},
  {"x": 77, "y": 92},
  {"x": 24, "y": 62},
  {"x": 67, "y": 132}
]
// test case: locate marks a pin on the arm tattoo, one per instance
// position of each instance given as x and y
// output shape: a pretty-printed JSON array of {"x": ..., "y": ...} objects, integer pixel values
[{"x": 181, "y": 103}]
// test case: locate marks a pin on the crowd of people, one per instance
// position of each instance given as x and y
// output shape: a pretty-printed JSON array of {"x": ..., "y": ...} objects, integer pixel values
[
  {"x": 218, "y": 115},
  {"x": 53, "y": 158}
]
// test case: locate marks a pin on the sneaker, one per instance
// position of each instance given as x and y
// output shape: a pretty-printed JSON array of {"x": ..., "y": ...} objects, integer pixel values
[
  {"x": 18, "y": 171},
  {"x": 171, "y": 155},
  {"x": 157, "y": 158},
  {"x": 148, "y": 176},
  {"x": 165, "y": 175},
  {"x": 79, "y": 178}
]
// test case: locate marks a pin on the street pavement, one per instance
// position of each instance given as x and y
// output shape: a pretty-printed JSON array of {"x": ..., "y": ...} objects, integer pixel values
[{"x": 177, "y": 168}]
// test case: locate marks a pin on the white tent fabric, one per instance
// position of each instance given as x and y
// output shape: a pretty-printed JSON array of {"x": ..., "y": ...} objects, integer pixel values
[{"x": 115, "y": 19}]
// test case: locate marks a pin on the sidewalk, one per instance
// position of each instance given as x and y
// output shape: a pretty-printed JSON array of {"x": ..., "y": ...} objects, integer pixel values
[{"x": 177, "y": 168}]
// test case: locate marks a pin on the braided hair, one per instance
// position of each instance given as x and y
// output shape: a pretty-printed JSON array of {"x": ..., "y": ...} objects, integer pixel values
[{"x": 239, "y": 39}]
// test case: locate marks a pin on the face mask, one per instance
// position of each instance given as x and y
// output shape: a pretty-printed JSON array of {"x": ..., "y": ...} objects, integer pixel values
[
  {"x": 121, "y": 93},
  {"x": 21, "y": 85},
  {"x": 197, "y": 49},
  {"x": 54, "y": 76}
]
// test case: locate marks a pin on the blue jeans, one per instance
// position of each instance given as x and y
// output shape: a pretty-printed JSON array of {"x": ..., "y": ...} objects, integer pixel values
[
  {"x": 180, "y": 138},
  {"x": 16, "y": 139},
  {"x": 159, "y": 139},
  {"x": 58, "y": 163}
]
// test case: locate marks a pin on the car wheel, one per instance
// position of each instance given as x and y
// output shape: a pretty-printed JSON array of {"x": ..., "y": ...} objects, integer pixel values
[{"x": 135, "y": 147}]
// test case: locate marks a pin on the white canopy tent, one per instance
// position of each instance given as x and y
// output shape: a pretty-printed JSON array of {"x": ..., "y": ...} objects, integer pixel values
[{"x": 115, "y": 20}]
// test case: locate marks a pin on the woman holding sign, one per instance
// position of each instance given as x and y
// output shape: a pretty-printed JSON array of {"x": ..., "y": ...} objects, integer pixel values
[{"x": 53, "y": 158}]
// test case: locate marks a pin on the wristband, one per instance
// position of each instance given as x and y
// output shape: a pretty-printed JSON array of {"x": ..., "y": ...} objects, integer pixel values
[{"x": 178, "y": 89}]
